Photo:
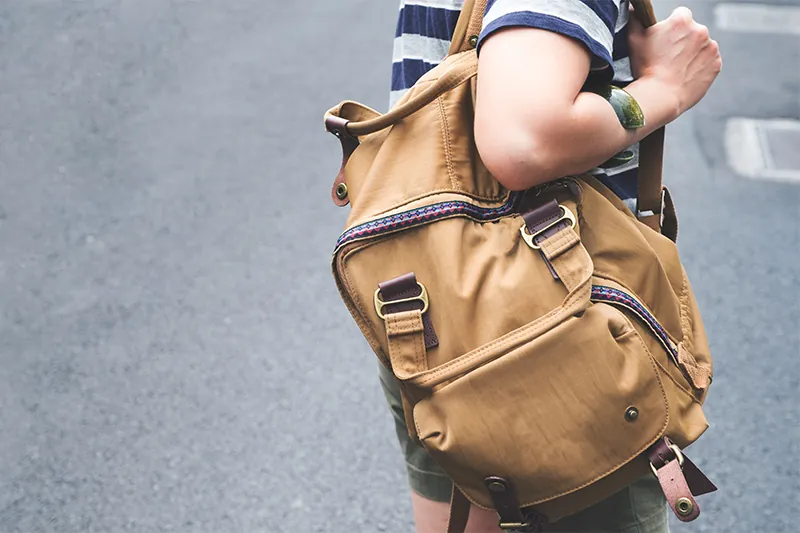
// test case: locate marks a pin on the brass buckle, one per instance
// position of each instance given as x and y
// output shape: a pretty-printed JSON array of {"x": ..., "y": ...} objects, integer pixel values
[
  {"x": 522, "y": 527},
  {"x": 513, "y": 526},
  {"x": 422, "y": 297},
  {"x": 528, "y": 237},
  {"x": 678, "y": 456}
]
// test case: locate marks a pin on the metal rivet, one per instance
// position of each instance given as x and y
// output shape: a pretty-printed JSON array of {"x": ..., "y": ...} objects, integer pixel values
[
  {"x": 341, "y": 191},
  {"x": 473, "y": 41},
  {"x": 684, "y": 506},
  {"x": 631, "y": 414},
  {"x": 496, "y": 486}
]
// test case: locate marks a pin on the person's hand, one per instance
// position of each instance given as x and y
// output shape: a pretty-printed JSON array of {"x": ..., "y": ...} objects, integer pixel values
[{"x": 678, "y": 53}]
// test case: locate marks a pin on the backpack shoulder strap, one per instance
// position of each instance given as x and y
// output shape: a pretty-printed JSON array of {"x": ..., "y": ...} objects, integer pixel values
[
  {"x": 649, "y": 200},
  {"x": 468, "y": 26}
]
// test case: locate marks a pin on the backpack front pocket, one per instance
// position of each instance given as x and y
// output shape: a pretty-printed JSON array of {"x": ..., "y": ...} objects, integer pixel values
[{"x": 587, "y": 392}]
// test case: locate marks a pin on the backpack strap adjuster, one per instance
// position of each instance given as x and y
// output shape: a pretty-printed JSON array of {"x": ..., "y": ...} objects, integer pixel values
[
  {"x": 422, "y": 298},
  {"x": 533, "y": 237},
  {"x": 405, "y": 293}
]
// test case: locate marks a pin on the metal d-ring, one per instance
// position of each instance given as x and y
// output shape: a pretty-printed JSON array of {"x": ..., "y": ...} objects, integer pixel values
[{"x": 678, "y": 456}]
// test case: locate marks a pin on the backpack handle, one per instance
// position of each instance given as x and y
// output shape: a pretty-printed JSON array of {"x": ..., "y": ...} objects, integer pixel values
[
  {"x": 450, "y": 78},
  {"x": 468, "y": 27}
]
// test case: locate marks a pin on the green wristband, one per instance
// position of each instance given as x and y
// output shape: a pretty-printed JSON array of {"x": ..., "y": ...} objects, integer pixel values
[{"x": 625, "y": 106}]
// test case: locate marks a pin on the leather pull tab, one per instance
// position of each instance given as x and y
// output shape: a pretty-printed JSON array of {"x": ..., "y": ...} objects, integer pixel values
[
  {"x": 669, "y": 226},
  {"x": 676, "y": 489},
  {"x": 679, "y": 478},
  {"x": 698, "y": 482},
  {"x": 338, "y": 127}
]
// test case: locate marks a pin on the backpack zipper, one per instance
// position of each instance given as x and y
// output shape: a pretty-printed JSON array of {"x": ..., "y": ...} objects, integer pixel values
[{"x": 618, "y": 298}]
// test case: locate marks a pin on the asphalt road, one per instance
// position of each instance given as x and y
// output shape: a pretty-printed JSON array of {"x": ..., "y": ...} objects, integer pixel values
[{"x": 173, "y": 352}]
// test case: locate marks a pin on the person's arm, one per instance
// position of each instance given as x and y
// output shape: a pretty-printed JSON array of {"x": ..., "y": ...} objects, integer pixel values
[{"x": 532, "y": 123}]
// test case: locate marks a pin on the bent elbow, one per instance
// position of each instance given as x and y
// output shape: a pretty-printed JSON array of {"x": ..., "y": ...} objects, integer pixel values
[{"x": 515, "y": 159}]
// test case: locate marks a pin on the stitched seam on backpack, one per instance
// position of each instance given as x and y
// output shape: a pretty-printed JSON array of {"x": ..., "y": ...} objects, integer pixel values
[
  {"x": 678, "y": 384},
  {"x": 457, "y": 80},
  {"x": 559, "y": 243},
  {"x": 448, "y": 154},
  {"x": 361, "y": 320},
  {"x": 393, "y": 349},
  {"x": 401, "y": 326},
  {"x": 571, "y": 276},
  {"x": 405, "y": 329},
  {"x": 433, "y": 192},
  {"x": 420, "y": 351},
  {"x": 686, "y": 319},
  {"x": 426, "y": 80}
]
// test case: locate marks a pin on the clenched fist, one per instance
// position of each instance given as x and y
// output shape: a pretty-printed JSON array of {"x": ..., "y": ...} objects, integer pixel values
[{"x": 679, "y": 53}]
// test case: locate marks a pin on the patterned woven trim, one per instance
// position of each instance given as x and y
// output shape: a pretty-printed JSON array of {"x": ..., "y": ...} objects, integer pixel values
[
  {"x": 601, "y": 293},
  {"x": 424, "y": 215}
]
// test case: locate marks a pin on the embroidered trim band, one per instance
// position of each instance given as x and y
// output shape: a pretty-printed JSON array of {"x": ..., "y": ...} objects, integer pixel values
[{"x": 424, "y": 215}]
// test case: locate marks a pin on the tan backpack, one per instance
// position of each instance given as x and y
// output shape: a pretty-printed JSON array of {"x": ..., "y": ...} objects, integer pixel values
[{"x": 547, "y": 342}]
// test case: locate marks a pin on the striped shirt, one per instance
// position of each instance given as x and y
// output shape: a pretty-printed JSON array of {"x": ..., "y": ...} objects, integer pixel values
[{"x": 425, "y": 28}]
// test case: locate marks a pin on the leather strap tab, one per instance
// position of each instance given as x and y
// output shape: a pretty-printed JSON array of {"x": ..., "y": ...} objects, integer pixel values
[
  {"x": 675, "y": 488},
  {"x": 674, "y": 470},
  {"x": 459, "y": 512},
  {"x": 699, "y": 374},
  {"x": 504, "y": 499},
  {"x": 539, "y": 218},
  {"x": 406, "y": 346},
  {"x": 669, "y": 223},
  {"x": 506, "y": 503},
  {"x": 558, "y": 244},
  {"x": 403, "y": 287},
  {"x": 338, "y": 127},
  {"x": 698, "y": 482}
]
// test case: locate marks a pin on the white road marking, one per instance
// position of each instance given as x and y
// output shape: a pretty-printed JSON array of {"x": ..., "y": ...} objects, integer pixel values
[
  {"x": 758, "y": 18},
  {"x": 749, "y": 151}
]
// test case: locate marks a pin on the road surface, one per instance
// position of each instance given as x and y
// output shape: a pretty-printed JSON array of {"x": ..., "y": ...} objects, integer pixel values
[{"x": 173, "y": 353}]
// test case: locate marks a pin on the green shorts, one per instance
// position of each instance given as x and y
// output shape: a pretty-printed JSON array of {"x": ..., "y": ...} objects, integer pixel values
[{"x": 639, "y": 508}]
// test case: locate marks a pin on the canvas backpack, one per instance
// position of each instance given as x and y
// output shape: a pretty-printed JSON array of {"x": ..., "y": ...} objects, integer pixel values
[{"x": 547, "y": 342}]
